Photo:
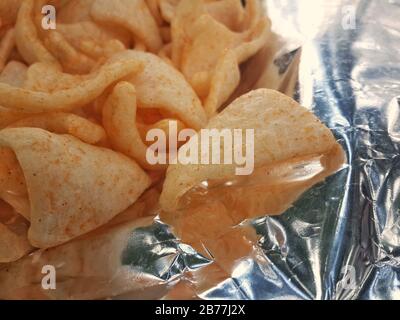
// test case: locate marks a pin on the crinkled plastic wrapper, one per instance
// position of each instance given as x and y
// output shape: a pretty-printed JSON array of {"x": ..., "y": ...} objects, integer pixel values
[{"x": 340, "y": 240}]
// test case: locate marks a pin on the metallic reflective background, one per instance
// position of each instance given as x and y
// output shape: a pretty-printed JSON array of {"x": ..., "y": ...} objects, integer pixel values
[{"x": 341, "y": 240}]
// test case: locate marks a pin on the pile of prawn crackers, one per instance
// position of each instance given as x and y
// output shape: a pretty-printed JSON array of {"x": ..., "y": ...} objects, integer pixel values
[{"x": 84, "y": 84}]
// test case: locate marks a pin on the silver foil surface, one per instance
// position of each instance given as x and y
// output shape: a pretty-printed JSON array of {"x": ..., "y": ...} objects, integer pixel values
[{"x": 341, "y": 240}]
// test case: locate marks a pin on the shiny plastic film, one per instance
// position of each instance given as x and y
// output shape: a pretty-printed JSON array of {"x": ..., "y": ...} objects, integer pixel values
[{"x": 318, "y": 219}]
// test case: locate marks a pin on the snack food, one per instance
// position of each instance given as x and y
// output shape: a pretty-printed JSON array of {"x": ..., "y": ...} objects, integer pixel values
[
  {"x": 283, "y": 132},
  {"x": 78, "y": 176},
  {"x": 77, "y": 106},
  {"x": 208, "y": 53},
  {"x": 102, "y": 276},
  {"x": 81, "y": 90}
]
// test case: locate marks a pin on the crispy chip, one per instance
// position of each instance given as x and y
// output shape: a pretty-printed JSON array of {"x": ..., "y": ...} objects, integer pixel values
[
  {"x": 134, "y": 15},
  {"x": 203, "y": 223},
  {"x": 75, "y": 11},
  {"x": 12, "y": 183},
  {"x": 140, "y": 46},
  {"x": 186, "y": 14},
  {"x": 126, "y": 134},
  {"x": 225, "y": 79},
  {"x": 6, "y": 46},
  {"x": 258, "y": 36},
  {"x": 146, "y": 206},
  {"x": 119, "y": 120},
  {"x": 71, "y": 59},
  {"x": 14, "y": 74},
  {"x": 20, "y": 203},
  {"x": 200, "y": 43},
  {"x": 100, "y": 52},
  {"x": 13, "y": 230},
  {"x": 228, "y": 12},
  {"x": 85, "y": 90},
  {"x": 283, "y": 132},
  {"x": 163, "y": 125},
  {"x": 167, "y": 9},
  {"x": 77, "y": 105},
  {"x": 166, "y": 34},
  {"x": 11, "y": 176},
  {"x": 253, "y": 14},
  {"x": 209, "y": 40},
  {"x": 93, "y": 40},
  {"x": 16, "y": 56},
  {"x": 165, "y": 54},
  {"x": 8, "y": 116},
  {"x": 199, "y": 61},
  {"x": 94, "y": 269},
  {"x": 161, "y": 86},
  {"x": 155, "y": 11},
  {"x": 9, "y": 11},
  {"x": 46, "y": 78},
  {"x": 28, "y": 42},
  {"x": 81, "y": 33},
  {"x": 68, "y": 123},
  {"x": 86, "y": 185}
]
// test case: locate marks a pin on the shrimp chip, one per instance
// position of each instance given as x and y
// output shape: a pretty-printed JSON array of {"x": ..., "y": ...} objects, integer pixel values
[
  {"x": 14, "y": 74},
  {"x": 27, "y": 39},
  {"x": 287, "y": 137},
  {"x": 100, "y": 52},
  {"x": 146, "y": 206},
  {"x": 133, "y": 15},
  {"x": 71, "y": 59},
  {"x": 12, "y": 183},
  {"x": 73, "y": 187},
  {"x": 88, "y": 38},
  {"x": 6, "y": 46},
  {"x": 9, "y": 11},
  {"x": 228, "y": 12},
  {"x": 8, "y": 116},
  {"x": 77, "y": 34},
  {"x": 209, "y": 40},
  {"x": 202, "y": 224},
  {"x": 119, "y": 120},
  {"x": 167, "y": 9},
  {"x": 89, "y": 267},
  {"x": 42, "y": 77},
  {"x": 225, "y": 79},
  {"x": 186, "y": 14},
  {"x": 75, "y": 11},
  {"x": 13, "y": 235},
  {"x": 126, "y": 134},
  {"x": 155, "y": 11},
  {"x": 257, "y": 36},
  {"x": 253, "y": 14},
  {"x": 163, "y": 125},
  {"x": 65, "y": 123},
  {"x": 165, "y": 54},
  {"x": 11, "y": 175},
  {"x": 20, "y": 203},
  {"x": 81, "y": 91},
  {"x": 161, "y": 86},
  {"x": 200, "y": 42},
  {"x": 166, "y": 34}
]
